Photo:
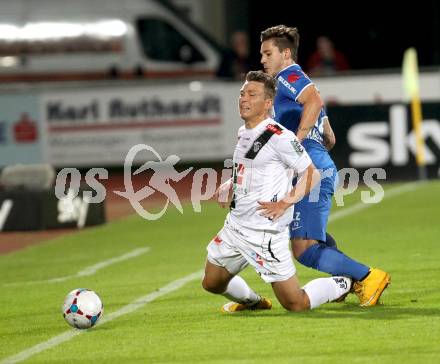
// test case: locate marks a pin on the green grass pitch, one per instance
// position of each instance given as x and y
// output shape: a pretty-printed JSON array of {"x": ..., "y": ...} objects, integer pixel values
[{"x": 400, "y": 235}]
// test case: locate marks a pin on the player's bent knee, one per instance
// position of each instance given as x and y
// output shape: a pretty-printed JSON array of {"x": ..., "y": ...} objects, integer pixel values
[{"x": 212, "y": 286}]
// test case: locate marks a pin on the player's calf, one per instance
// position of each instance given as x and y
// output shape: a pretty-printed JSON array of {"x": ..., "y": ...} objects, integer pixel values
[{"x": 216, "y": 278}]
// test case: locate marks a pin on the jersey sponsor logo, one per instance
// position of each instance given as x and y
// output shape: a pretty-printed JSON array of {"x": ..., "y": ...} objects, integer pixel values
[
  {"x": 297, "y": 147},
  {"x": 287, "y": 84},
  {"x": 239, "y": 173},
  {"x": 241, "y": 179},
  {"x": 274, "y": 129},
  {"x": 293, "y": 77}
]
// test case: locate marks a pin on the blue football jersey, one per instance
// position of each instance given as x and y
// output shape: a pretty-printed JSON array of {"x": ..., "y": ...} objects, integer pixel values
[{"x": 288, "y": 111}]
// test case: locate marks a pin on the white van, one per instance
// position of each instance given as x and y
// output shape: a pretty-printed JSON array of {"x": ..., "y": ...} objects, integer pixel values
[{"x": 43, "y": 40}]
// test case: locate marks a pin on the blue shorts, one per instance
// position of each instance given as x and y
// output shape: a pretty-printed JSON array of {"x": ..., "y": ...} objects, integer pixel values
[{"x": 310, "y": 216}]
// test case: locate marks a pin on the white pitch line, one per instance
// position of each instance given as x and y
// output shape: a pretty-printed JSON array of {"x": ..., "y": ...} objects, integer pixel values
[
  {"x": 88, "y": 271},
  {"x": 131, "y": 307},
  {"x": 362, "y": 206}
]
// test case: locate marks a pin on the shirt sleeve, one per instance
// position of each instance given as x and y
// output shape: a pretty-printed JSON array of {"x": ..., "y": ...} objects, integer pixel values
[
  {"x": 292, "y": 153},
  {"x": 294, "y": 83}
]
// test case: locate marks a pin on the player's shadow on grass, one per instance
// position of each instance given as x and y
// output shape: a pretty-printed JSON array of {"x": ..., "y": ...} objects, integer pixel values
[
  {"x": 385, "y": 312},
  {"x": 350, "y": 311}
]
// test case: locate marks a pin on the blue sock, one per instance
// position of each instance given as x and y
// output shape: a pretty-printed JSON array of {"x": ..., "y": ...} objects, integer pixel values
[{"x": 328, "y": 260}]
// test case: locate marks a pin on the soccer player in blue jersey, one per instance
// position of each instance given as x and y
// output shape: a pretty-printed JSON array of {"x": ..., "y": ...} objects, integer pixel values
[{"x": 299, "y": 107}]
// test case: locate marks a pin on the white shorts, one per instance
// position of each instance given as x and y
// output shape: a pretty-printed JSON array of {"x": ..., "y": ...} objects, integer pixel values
[{"x": 236, "y": 246}]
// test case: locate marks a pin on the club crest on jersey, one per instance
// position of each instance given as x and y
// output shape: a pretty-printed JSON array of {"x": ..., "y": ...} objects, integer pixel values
[
  {"x": 257, "y": 146},
  {"x": 274, "y": 129}
]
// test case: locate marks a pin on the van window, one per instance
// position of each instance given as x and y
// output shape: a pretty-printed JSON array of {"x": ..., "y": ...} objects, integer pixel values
[
  {"x": 161, "y": 41},
  {"x": 62, "y": 37}
]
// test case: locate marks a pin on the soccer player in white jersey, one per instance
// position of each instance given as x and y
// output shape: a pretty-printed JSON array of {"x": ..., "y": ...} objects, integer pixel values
[{"x": 266, "y": 158}]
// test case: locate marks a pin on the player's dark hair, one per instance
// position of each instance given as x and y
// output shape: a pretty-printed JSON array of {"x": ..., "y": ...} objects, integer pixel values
[
  {"x": 268, "y": 81},
  {"x": 283, "y": 37}
]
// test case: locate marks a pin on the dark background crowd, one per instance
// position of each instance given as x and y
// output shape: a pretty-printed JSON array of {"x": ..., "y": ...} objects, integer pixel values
[{"x": 339, "y": 36}]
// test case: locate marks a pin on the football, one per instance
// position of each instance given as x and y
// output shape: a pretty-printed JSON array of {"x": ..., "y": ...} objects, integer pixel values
[{"x": 82, "y": 308}]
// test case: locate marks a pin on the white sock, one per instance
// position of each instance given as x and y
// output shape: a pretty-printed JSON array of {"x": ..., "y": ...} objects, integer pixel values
[
  {"x": 323, "y": 290},
  {"x": 239, "y": 291}
]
